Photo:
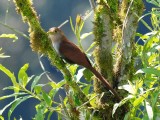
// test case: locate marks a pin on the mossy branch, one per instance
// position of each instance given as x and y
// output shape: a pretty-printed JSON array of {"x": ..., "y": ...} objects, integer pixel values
[
  {"x": 115, "y": 64},
  {"x": 41, "y": 44}
]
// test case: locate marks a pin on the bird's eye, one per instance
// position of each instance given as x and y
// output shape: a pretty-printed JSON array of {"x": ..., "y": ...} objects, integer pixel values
[{"x": 55, "y": 31}]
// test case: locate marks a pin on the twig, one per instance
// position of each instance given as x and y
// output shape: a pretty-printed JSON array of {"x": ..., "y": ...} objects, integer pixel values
[
  {"x": 14, "y": 30},
  {"x": 42, "y": 66},
  {"x": 92, "y": 3},
  {"x": 63, "y": 23},
  {"x": 125, "y": 20}
]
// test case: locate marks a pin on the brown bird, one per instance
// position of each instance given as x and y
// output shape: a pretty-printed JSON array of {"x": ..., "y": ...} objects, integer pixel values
[{"x": 73, "y": 55}]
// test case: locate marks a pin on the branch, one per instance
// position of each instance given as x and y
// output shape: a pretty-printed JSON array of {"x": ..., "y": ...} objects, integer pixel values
[{"x": 41, "y": 44}]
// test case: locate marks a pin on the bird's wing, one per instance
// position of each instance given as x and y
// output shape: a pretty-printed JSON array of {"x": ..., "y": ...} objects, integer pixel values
[{"x": 72, "y": 54}]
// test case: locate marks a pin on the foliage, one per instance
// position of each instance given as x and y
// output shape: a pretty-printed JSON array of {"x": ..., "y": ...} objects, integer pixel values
[
  {"x": 143, "y": 92},
  {"x": 47, "y": 105}
]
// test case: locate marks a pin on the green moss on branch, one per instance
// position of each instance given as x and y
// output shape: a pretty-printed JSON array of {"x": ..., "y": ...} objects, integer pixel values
[{"x": 41, "y": 44}]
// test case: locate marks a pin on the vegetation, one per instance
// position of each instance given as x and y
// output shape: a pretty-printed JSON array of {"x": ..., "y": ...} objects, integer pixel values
[{"x": 133, "y": 68}]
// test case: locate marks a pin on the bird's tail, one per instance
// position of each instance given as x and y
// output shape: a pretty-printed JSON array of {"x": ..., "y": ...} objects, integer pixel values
[{"x": 104, "y": 81}]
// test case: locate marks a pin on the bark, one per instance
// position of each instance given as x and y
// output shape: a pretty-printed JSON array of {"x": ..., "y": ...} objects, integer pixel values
[
  {"x": 115, "y": 25},
  {"x": 114, "y": 54}
]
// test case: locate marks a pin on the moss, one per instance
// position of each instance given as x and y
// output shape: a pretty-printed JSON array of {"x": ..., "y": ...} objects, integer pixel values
[
  {"x": 41, "y": 44},
  {"x": 98, "y": 29},
  {"x": 137, "y": 6}
]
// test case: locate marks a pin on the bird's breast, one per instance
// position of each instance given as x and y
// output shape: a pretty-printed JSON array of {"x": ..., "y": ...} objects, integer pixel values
[{"x": 56, "y": 46}]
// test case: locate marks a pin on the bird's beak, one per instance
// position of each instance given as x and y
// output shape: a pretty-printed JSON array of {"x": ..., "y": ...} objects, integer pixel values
[{"x": 48, "y": 32}]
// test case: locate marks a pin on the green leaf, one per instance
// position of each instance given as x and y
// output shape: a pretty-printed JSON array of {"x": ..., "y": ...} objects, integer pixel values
[
  {"x": 36, "y": 80},
  {"x": 140, "y": 99},
  {"x": 22, "y": 75},
  {"x": 155, "y": 2},
  {"x": 49, "y": 115},
  {"x": 86, "y": 90},
  {"x": 16, "y": 103},
  {"x": 12, "y": 77},
  {"x": 12, "y": 36},
  {"x": 73, "y": 69},
  {"x": 145, "y": 23},
  {"x": 90, "y": 47},
  {"x": 61, "y": 83},
  {"x": 53, "y": 92},
  {"x": 149, "y": 71},
  {"x": 40, "y": 112},
  {"x": 47, "y": 98},
  {"x": 155, "y": 98},
  {"x": 53, "y": 84},
  {"x": 87, "y": 74},
  {"x": 81, "y": 26},
  {"x": 83, "y": 36},
  {"x": 143, "y": 37},
  {"x": 71, "y": 23},
  {"x": 66, "y": 112},
  {"x": 6, "y": 106},
  {"x": 12, "y": 95},
  {"x": 60, "y": 116},
  {"x": 38, "y": 88},
  {"x": 1, "y": 118},
  {"x": 121, "y": 103},
  {"x": 76, "y": 100},
  {"x": 93, "y": 100}
]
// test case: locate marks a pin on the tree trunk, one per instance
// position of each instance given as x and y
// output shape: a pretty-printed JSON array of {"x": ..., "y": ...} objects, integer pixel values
[{"x": 115, "y": 25}]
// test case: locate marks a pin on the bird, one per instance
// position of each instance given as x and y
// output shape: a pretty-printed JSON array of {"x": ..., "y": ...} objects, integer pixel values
[{"x": 73, "y": 55}]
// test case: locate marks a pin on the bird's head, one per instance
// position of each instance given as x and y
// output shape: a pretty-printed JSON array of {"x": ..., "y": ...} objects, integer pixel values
[{"x": 55, "y": 34}]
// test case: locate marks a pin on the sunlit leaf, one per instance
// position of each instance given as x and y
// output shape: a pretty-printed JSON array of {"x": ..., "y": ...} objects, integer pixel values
[
  {"x": 83, "y": 36},
  {"x": 123, "y": 101},
  {"x": 8, "y": 105},
  {"x": 16, "y": 103},
  {"x": 53, "y": 84},
  {"x": 12, "y": 36},
  {"x": 22, "y": 75},
  {"x": 140, "y": 99},
  {"x": 38, "y": 88},
  {"x": 91, "y": 46},
  {"x": 149, "y": 71},
  {"x": 47, "y": 98},
  {"x": 1, "y": 117},
  {"x": 11, "y": 76},
  {"x": 73, "y": 69},
  {"x": 53, "y": 92},
  {"x": 36, "y": 80},
  {"x": 93, "y": 101},
  {"x": 128, "y": 88},
  {"x": 79, "y": 74},
  {"x": 149, "y": 110},
  {"x": 11, "y": 95},
  {"x": 61, "y": 83},
  {"x": 143, "y": 37},
  {"x": 86, "y": 90},
  {"x": 71, "y": 23},
  {"x": 155, "y": 2}
]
